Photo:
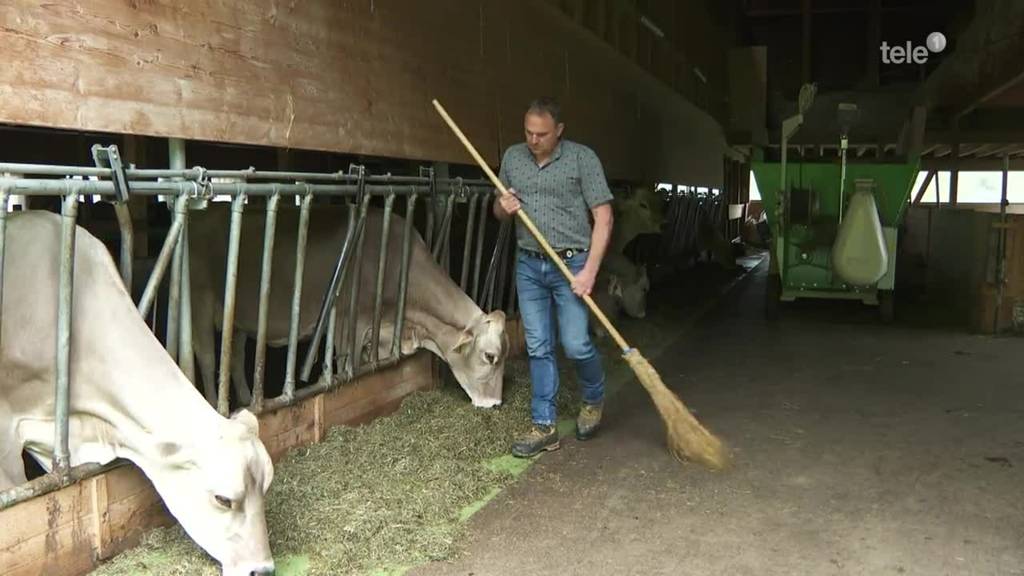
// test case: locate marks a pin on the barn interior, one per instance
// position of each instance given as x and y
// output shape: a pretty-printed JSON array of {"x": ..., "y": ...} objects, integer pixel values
[{"x": 823, "y": 199}]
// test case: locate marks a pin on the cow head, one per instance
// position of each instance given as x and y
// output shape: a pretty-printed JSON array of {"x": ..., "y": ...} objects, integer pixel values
[
  {"x": 631, "y": 293},
  {"x": 477, "y": 359},
  {"x": 216, "y": 491}
]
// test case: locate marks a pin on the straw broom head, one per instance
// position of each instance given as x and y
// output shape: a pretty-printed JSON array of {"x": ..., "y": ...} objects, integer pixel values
[{"x": 687, "y": 439}]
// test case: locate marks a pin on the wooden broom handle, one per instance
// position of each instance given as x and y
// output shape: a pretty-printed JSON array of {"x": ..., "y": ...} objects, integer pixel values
[{"x": 619, "y": 340}]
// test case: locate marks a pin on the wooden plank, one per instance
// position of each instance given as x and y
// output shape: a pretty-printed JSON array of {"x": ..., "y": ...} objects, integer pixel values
[
  {"x": 100, "y": 514},
  {"x": 130, "y": 518},
  {"x": 42, "y": 514},
  {"x": 64, "y": 551},
  {"x": 353, "y": 77}
]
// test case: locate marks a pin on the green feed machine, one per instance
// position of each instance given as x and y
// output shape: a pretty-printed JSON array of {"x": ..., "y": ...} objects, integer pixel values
[{"x": 833, "y": 221}]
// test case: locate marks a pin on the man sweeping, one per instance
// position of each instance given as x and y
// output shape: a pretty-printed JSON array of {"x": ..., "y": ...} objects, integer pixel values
[{"x": 562, "y": 185}]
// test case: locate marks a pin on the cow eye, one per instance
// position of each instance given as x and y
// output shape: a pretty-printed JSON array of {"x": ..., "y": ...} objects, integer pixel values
[
  {"x": 490, "y": 358},
  {"x": 223, "y": 501}
]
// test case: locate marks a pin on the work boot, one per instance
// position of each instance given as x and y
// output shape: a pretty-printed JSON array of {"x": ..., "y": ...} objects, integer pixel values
[
  {"x": 588, "y": 421},
  {"x": 537, "y": 440}
]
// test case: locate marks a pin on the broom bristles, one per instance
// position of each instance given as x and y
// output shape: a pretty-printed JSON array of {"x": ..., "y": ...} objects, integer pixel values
[{"x": 687, "y": 439}]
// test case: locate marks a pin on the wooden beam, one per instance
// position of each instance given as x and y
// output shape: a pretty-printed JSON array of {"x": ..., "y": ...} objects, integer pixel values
[{"x": 924, "y": 186}]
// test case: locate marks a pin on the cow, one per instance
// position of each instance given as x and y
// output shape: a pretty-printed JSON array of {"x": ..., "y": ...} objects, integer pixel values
[
  {"x": 439, "y": 316},
  {"x": 641, "y": 212},
  {"x": 128, "y": 399},
  {"x": 620, "y": 286}
]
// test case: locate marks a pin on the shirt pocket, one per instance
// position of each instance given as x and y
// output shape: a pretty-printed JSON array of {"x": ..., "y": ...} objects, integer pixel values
[{"x": 574, "y": 183}]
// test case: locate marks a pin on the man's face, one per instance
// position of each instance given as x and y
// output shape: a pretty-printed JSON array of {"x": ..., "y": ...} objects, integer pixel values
[{"x": 542, "y": 133}]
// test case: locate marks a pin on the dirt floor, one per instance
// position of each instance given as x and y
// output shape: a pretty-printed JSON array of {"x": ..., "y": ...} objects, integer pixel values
[{"x": 859, "y": 449}]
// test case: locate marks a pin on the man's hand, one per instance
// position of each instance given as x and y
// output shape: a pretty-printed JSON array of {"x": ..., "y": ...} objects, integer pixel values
[
  {"x": 509, "y": 202},
  {"x": 583, "y": 282}
]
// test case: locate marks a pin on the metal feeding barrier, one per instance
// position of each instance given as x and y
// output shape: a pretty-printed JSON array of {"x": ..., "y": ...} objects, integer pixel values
[{"x": 190, "y": 189}]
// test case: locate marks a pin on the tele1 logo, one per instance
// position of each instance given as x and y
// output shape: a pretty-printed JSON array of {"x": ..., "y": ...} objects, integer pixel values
[{"x": 910, "y": 54}]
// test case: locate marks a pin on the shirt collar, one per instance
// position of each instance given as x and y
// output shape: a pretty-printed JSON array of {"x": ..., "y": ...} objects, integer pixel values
[{"x": 555, "y": 155}]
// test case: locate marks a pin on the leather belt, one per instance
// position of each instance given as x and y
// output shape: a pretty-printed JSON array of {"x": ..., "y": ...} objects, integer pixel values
[{"x": 564, "y": 253}]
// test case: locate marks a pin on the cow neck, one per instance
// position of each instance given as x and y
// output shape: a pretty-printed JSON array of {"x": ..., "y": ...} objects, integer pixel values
[
  {"x": 442, "y": 331},
  {"x": 177, "y": 415}
]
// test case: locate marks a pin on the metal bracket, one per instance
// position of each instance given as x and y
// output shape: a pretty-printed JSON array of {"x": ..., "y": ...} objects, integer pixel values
[
  {"x": 109, "y": 157},
  {"x": 460, "y": 190},
  {"x": 358, "y": 171}
]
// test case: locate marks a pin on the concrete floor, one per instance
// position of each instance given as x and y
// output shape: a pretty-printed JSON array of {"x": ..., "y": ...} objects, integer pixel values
[{"x": 860, "y": 449}]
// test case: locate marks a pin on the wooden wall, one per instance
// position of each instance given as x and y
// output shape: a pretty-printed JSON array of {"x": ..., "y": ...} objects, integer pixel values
[{"x": 353, "y": 77}]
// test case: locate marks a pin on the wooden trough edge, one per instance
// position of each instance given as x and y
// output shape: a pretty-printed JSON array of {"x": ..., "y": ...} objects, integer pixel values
[{"x": 68, "y": 532}]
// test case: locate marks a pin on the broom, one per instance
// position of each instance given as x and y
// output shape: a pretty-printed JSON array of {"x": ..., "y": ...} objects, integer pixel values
[{"x": 687, "y": 439}]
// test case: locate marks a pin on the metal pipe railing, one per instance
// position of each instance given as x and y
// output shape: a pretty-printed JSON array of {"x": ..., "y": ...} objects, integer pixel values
[
  {"x": 41, "y": 180},
  {"x": 293, "y": 324},
  {"x": 266, "y": 277},
  {"x": 174, "y": 290},
  {"x": 186, "y": 355},
  {"x": 61, "y": 454},
  {"x": 382, "y": 262},
  {"x": 352, "y": 318},
  {"x": 481, "y": 227},
  {"x": 4, "y": 195},
  {"x": 162, "y": 260},
  {"x": 228, "y": 323},
  {"x": 442, "y": 236},
  {"x": 403, "y": 277},
  {"x": 124, "y": 223},
  {"x": 198, "y": 173},
  {"x": 330, "y": 346},
  {"x": 468, "y": 245},
  {"x": 330, "y": 297}
]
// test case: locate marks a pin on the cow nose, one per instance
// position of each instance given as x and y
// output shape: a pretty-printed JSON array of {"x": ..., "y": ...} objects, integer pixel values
[{"x": 263, "y": 571}]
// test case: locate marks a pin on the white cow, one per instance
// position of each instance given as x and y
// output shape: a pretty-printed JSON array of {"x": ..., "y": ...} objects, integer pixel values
[
  {"x": 128, "y": 398},
  {"x": 439, "y": 316}
]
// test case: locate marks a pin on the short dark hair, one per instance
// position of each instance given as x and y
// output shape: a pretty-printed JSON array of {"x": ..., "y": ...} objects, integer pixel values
[{"x": 546, "y": 105}]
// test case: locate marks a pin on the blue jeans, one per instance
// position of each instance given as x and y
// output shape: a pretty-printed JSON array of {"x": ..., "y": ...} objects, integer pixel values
[{"x": 540, "y": 284}]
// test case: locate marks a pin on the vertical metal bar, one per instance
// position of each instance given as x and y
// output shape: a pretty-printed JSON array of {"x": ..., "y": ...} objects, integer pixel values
[
  {"x": 446, "y": 236},
  {"x": 430, "y": 221},
  {"x": 468, "y": 244},
  {"x": 353, "y": 210},
  {"x": 403, "y": 276},
  {"x": 329, "y": 299},
  {"x": 1001, "y": 247},
  {"x": 442, "y": 234},
  {"x": 300, "y": 266},
  {"x": 266, "y": 276},
  {"x": 481, "y": 228},
  {"x": 61, "y": 454},
  {"x": 5, "y": 192},
  {"x": 228, "y": 325},
  {"x": 382, "y": 262},
  {"x": 327, "y": 373},
  {"x": 431, "y": 206},
  {"x": 496, "y": 263},
  {"x": 352, "y": 318},
  {"x": 163, "y": 259},
  {"x": 503, "y": 269},
  {"x": 124, "y": 222},
  {"x": 174, "y": 290},
  {"x": 186, "y": 357}
]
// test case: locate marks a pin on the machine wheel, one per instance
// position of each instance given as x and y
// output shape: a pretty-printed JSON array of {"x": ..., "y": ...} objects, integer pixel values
[
  {"x": 886, "y": 306},
  {"x": 772, "y": 296}
]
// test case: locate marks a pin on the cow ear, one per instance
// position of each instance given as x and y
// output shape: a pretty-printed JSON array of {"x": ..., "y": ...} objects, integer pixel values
[
  {"x": 247, "y": 419},
  {"x": 465, "y": 339},
  {"x": 497, "y": 317}
]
